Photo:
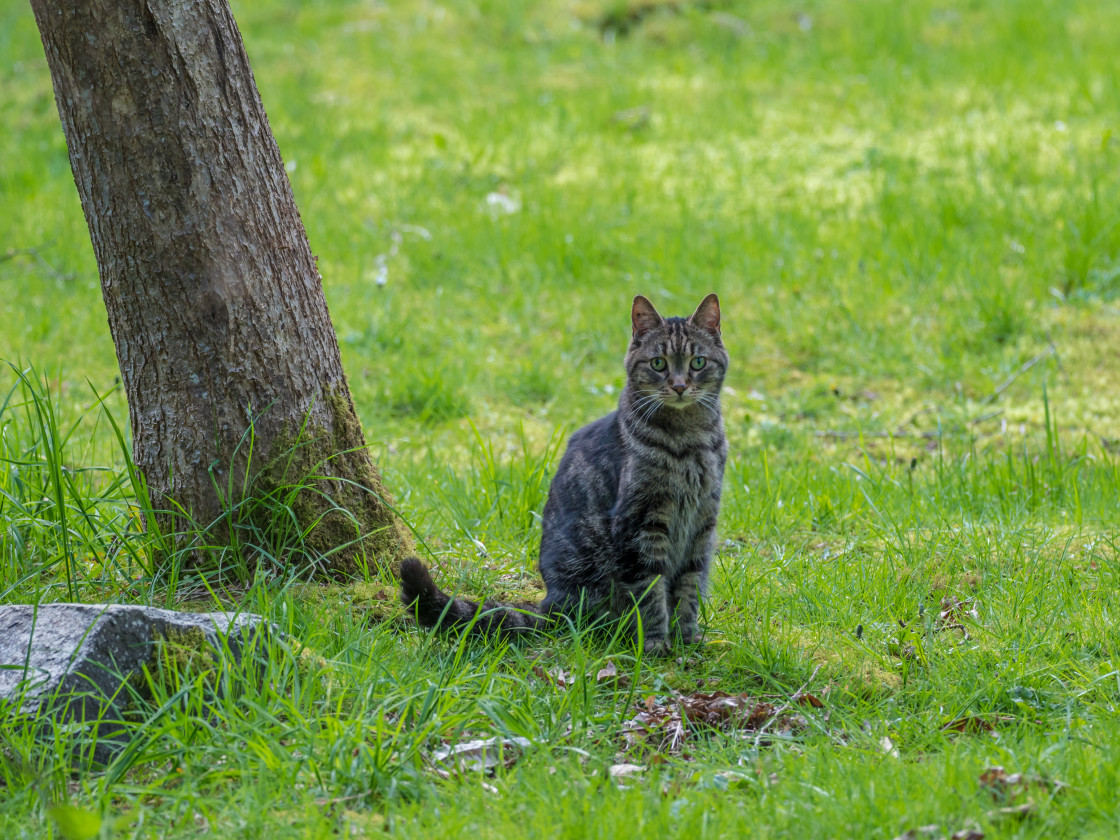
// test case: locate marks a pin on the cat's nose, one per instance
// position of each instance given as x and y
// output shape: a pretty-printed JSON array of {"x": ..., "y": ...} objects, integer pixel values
[{"x": 679, "y": 388}]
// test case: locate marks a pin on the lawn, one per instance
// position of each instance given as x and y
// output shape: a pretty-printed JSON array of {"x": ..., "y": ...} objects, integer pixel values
[{"x": 911, "y": 213}]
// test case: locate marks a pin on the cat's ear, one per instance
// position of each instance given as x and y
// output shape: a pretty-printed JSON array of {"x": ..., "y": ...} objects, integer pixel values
[
  {"x": 707, "y": 314},
  {"x": 644, "y": 316}
]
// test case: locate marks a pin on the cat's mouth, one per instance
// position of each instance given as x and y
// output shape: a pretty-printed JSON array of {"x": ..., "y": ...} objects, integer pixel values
[{"x": 682, "y": 400}]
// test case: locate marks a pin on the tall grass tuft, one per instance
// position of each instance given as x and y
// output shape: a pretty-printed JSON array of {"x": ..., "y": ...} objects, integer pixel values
[{"x": 67, "y": 524}]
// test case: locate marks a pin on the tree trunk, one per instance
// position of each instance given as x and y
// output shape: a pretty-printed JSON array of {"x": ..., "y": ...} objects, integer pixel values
[{"x": 228, "y": 356}]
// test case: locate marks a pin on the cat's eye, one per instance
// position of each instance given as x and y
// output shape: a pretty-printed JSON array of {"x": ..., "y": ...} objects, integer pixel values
[
  {"x": 658, "y": 364},
  {"x": 697, "y": 362}
]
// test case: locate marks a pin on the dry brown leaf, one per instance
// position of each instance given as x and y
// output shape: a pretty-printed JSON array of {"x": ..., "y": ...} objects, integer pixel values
[
  {"x": 976, "y": 724},
  {"x": 954, "y": 611},
  {"x": 609, "y": 673},
  {"x": 660, "y": 722},
  {"x": 809, "y": 700},
  {"x": 666, "y": 724},
  {"x": 718, "y": 709},
  {"x": 555, "y": 676},
  {"x": 993, "y": 776},
  {"x": 998, "y": 780}
]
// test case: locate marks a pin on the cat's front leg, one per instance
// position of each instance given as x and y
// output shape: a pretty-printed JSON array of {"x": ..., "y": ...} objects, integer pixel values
[
  {"x": 653, "y": 608},
  {"x": 646, "y": 601},
  {"x": 688, "y": 588},
  {"x": 641, "y": 534},
  {"x": 685, "y": 599}
]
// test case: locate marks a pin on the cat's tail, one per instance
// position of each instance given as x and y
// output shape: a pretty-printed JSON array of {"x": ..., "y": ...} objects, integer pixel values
[{"x": 439, "y": 611}]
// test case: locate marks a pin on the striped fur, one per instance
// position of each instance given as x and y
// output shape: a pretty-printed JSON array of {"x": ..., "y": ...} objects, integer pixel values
[{"x": 631, "y": 513}]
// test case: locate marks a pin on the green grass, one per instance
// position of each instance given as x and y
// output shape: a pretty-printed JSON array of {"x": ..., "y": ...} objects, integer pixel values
[{"x": 910, "y": 212}]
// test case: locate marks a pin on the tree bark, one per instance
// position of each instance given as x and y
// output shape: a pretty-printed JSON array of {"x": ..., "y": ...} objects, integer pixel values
[{"x": 215, "y": 303}]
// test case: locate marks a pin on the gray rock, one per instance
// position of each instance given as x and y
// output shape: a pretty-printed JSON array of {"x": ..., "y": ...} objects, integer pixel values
[{"x": 69, "y": 663}]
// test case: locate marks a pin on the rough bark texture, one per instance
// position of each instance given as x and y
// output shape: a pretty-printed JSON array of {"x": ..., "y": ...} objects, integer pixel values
[{"x": 215, "y": 303}]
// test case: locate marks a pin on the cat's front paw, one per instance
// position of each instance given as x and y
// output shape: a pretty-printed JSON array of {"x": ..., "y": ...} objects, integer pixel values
[{"x": 656, "y": 647}]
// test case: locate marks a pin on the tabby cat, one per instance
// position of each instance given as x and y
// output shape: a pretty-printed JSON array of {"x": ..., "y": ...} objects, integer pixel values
[{"x": 631, "y": 513}]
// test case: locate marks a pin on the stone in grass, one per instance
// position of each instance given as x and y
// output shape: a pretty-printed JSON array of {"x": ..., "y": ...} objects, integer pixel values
[{"x": 79, "y": 664}]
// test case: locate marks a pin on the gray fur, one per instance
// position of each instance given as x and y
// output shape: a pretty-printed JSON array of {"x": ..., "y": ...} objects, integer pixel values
[{"x": 631, "y": 513}]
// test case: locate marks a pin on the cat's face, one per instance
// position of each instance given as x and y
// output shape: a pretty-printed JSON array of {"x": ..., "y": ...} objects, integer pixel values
[{"x": 676, "y": 362}]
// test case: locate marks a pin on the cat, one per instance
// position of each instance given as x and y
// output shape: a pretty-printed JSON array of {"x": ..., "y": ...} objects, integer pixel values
[{"x": 631, "y": 512}]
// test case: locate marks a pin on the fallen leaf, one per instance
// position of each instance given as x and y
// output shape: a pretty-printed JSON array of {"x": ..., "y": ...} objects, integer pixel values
[
  {"x": 665, "y": 724},
  {"x": 1007, "y": 788},
  {"x": 1006, "y": 785},
  {"x": 993, "y": 776},
  {"x": 954, "y": 612},
  {"x": 563, "y": 679},
  {"x": 809, "y": 700},
  {"x": 482, "y": 755},
  {"x": 624, "y": 771},
  {"x": 976, "y": 724},
  {"x": 609, "y": 673},
  {"x": 1019, "y": 812},
  {"x": 661, "y": 726},
  {"x": 719, "y": 709},
  {"x": 556, "y": 676}
]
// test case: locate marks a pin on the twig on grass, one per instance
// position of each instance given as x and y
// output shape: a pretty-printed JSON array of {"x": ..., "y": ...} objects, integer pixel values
[
  {"x": 785, "y": 706},
  {"x": 1027, "y": 365}
]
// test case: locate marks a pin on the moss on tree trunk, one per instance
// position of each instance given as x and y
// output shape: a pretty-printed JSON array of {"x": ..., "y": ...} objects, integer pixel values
[{"x": 336, "y": 507}]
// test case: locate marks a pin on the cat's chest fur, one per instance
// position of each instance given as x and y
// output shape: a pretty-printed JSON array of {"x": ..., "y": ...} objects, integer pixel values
[{"x": 677, "y": 479}]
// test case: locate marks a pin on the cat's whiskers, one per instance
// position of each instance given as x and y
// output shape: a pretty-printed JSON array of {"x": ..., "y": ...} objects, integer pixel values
[
  {"x": 654, "y": 404},
  {"x": 646, "y": 406}
]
